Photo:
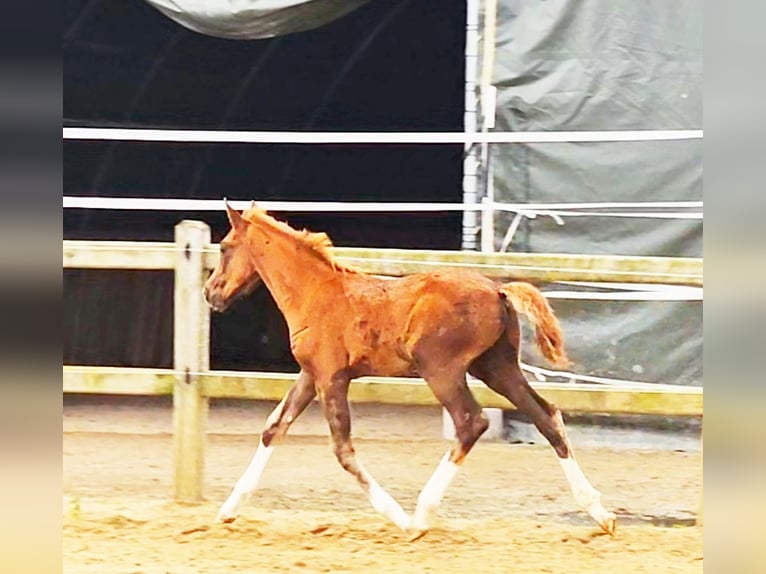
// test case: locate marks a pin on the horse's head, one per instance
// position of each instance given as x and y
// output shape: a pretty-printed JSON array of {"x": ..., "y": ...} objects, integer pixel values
[{"x": 236, "y": 274}]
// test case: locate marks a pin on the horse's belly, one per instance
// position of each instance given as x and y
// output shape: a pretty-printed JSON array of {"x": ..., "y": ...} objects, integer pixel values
[{"x": 385, "y": 360}]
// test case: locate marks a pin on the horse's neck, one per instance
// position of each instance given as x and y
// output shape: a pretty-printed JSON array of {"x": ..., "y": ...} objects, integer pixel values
[{"x": 294, "y": 276}]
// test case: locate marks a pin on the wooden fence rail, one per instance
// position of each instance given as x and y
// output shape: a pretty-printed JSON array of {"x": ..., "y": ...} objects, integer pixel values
[
  {"x": 192, "y": 383},
  {"x": 572, "y": 397},
  {"x": 398, "y": 262}
]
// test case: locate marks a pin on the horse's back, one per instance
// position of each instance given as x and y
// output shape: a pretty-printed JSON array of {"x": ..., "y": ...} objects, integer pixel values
[
  {"x": 453, "y": 287},
  {"x": 449, "y": 315},
  {"x": 445, "y": 291},
  {"x": 455, "y": 313}
]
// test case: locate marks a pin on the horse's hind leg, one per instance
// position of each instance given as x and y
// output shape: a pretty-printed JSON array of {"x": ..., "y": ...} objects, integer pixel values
[
  {"x": 277, "y": 423},
  {"x": 334, "y": 401},
  {"x": 449, "y": 386},
  {"x": 499, "y": 369}
]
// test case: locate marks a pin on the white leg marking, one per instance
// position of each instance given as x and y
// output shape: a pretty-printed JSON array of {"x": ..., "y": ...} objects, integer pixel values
[
  {"x": 433, "y": 492},
  {"x": 247, "y": 483},
  {"x": 585, "y": 495},
  {"x": 384, "y": 502}
]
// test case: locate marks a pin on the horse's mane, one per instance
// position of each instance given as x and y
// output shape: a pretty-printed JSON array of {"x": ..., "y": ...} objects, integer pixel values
[{"x": 318, "y": 243}]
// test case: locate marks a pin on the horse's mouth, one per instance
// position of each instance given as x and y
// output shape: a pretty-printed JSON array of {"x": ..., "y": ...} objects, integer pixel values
[{"x": 218, "y": 304}]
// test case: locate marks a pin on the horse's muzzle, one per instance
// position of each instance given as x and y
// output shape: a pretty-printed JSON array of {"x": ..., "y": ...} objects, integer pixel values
[{"x": 214, "y": 299}]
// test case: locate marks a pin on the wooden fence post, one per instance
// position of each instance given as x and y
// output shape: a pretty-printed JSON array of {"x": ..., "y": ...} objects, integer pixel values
[{"x": 191, "y": 356}]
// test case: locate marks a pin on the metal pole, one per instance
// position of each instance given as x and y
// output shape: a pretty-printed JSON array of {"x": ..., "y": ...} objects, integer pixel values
[
  {"x": 487, "y": 93},
  {"x": 470, "y": 121}
]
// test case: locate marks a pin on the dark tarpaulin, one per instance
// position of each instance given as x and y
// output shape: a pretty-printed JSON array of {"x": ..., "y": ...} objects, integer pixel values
[
  {"x": 622, "y": 65},
  {"x": 386, "y": 66},
  {"x": 254, "y": 19}
]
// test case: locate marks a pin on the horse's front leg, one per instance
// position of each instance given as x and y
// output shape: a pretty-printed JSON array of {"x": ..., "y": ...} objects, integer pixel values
[
  {"x": 280, "y": 419},
  {"x": 334, "y": 400}
]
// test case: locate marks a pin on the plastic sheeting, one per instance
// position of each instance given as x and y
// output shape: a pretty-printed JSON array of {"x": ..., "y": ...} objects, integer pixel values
[
  {"x": 565, "y": 65},
  {"x": 251, "y": 19}
]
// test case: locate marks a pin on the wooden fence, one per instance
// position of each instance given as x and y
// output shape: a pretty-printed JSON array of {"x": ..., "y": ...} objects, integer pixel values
[{"x": 192, "y": 383}]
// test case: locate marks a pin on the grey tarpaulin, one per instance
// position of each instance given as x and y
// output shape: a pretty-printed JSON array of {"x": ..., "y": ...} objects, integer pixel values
[
  {"x": 620, "y": 65},
  {"x": 250, "y": 19}
]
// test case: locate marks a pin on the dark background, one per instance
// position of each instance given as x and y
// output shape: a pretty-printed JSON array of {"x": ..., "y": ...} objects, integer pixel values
[{"x": 387, "y": 66}]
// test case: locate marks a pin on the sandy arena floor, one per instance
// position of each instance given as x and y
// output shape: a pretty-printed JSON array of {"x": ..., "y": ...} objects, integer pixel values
[{"x": 508, "y": 510}]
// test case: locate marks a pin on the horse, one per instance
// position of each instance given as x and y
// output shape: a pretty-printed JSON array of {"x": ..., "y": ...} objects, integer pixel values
[{"x": 344, "y": 324}]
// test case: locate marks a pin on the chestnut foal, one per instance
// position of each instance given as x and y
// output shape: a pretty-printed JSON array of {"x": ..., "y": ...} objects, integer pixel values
[{"x": 345, "y": 324}]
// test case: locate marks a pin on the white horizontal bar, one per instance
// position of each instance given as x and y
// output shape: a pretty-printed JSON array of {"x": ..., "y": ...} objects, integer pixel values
[
  {"x": 288, "y": 137},
  {"x": 637, "y": 214},
  {"x": 628, "y": 286},
  {"x": 540, "y": 373},
  {"x": 169, "y": 204},
  {"x": 637, "y": 295},
  {"x": 174, "y": 204}
]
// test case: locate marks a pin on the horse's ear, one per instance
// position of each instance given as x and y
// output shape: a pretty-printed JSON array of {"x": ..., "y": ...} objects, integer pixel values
[{"x": 236, "y": 220}]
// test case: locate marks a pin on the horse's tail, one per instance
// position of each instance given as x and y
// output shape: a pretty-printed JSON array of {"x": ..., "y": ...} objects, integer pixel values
[{"x": 528, "y": 300}]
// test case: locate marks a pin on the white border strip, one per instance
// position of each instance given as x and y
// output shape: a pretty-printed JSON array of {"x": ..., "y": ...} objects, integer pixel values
[
  {"x": 288, "y": 137},
  {"x": 176, "y": 204}
]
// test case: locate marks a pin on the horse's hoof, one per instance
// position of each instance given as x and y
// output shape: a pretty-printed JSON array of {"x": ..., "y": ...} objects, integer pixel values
[
  {"x": 609, "y": 524},
  {"x": 606, "y": 520},
  {"x": 417, "y": 535},
  {"x": 225, "y": 518}
]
